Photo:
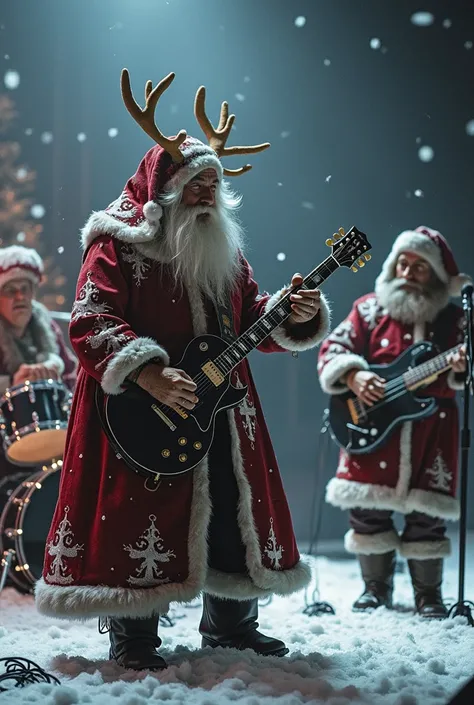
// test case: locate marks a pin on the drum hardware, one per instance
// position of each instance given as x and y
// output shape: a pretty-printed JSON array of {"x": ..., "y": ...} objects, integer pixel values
[{"x": 5, "y": 564}]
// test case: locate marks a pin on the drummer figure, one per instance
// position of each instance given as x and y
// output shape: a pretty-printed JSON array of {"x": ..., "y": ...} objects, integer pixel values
[{"x": 32, "y": 346}]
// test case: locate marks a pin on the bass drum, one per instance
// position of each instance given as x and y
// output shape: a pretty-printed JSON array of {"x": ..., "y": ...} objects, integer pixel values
[{"x": 24, "y": 525}]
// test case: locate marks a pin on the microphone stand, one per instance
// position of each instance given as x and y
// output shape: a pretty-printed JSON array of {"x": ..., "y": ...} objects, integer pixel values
[{"x": 463, "y": 607}]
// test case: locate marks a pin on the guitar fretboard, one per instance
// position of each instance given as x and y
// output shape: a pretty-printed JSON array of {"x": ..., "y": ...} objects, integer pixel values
[
  {"x": 435, "y": 366},
  {"x": 273, "y": 318}
]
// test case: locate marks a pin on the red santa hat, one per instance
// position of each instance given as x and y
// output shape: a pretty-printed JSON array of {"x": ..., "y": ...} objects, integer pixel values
[
  {"x": 432, "y": 246},
  {"x": 135, "y": 216},
  {"x": 17, "y": 262}
]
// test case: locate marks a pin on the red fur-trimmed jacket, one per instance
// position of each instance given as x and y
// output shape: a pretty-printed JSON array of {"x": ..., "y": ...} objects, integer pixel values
[{"x": 114, "y": 547}]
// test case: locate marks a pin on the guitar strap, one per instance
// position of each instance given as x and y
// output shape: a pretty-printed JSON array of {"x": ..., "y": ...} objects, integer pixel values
[{"x": 226, "y": 320}]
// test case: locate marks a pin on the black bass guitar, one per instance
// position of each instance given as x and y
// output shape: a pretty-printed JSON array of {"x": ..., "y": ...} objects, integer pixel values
[
  {"x": 359, "y": 428},
  {"x": 154, "y": 439}
]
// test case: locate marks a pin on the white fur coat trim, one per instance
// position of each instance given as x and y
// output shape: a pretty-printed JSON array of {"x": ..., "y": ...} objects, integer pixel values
[
  {"x": 348, "y": 494},
  {"x": 280, "y": 334},
  {"x": 100, "y": 223},
  {"x": 131, "y": 356},
  {"x": 330, "y": 377},
  {"x": 369, "y": 544},
  {"x": 424, "y": 550}
]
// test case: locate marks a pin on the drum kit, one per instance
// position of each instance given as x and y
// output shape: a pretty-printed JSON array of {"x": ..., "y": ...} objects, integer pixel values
[{"x": 33, "y": 426}]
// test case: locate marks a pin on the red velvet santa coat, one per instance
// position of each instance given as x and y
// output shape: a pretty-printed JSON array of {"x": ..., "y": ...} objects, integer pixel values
[
  {"x": 415, "y": 470},
  {"x": 114, "y": 547}
]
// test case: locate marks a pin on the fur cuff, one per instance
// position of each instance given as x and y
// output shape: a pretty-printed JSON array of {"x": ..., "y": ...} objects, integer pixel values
[
  {"x": 369, "y": 544},
  {"x": 455, "y": 381},
  {"x": 336, "y": 368},
  {"x": 100, "y": 223},
  {"x": 288, "y": 342},
  {"x": 434, "y": 504},
  {"x": 424, "y": 550},
  {"x": 131, "y": 356}
]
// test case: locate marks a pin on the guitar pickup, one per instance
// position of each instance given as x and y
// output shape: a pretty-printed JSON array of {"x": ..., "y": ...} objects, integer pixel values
[
  {"x": 213, "y": 373},
  {"x": 352, "y": 411}
]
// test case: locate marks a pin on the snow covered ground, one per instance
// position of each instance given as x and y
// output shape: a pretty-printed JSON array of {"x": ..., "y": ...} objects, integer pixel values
[{"x": 387, "y": 658}]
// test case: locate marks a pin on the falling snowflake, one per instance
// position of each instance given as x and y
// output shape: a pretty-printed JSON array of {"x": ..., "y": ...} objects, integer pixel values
[
  {"x": 21, "y": 173},
  {"x": 61, "y": 250},
  {"x": 246, "y": 79},
  {"x": 418, "y": 140},
  {"x": 308, "y": 205},
  {"x": 300, "y": 21},
  {"x": 375, "y": 43},
  {"x": 81, "y": 137},
  {"x": 281, "y": 257},
  {"x": 7, "y": 57},
  {"x": 470, "y": 128},
  {"x": 11, "y": 80},
  {"x": 426, "y": 153},
  {"x": 21, "y": 237},
  {"x": 327, "y": 62},
  {"x": 37, "y": 210},
  {"x": 240, "y": 97},
  {"x": 29, "y": 131},
  {"x": 284, "y": 134},
  {"x": 46, "y": 137},
  {"x": 447, "y": 23},
  {"x": 468, "y": 45},
  {"x": 328, "y": 178},
  {"x": 419, "y": 193},
  {"x": 279, "y": 183},
  {"x": 422, "y": 19},
  {"x": 112, "y": 132}
]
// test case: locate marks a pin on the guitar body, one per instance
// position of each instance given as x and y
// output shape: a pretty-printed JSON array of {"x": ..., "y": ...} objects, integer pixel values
[
  {"x": 152, "y": 438},
  {"x": 372, "y": 430}
]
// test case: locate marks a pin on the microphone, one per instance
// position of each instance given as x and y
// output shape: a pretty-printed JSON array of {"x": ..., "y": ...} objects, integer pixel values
[{"x": 466, "y": 296}]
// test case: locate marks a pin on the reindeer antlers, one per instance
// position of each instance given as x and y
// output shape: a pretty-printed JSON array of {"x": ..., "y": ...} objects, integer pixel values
[
  {"x": 218, "y": 136},
  {"x": 146, "y": 117}
]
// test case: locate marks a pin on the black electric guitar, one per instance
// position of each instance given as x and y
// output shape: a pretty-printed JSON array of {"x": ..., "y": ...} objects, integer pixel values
[
  {"x": 359, "y": 428},
  {"x": 152, "y": 438}
]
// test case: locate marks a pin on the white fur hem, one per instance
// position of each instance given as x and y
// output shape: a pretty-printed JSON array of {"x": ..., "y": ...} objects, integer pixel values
[
  {"x": 100, "y": 223},
  {"x": 453, "y": 383},
  {"x": 424, "y": 550},
  {"x": 270, "y": 582},
  {"x": 369, "y": 544},
  {"x": 131, "y": 356},
  {"x": 332, "y": 372},
  {"x": 280, "y": 334},
  {"x": 348, "y": 494}
]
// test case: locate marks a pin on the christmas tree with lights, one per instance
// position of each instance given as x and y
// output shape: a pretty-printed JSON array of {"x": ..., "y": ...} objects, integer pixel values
[{"x": 17, "y": 224}]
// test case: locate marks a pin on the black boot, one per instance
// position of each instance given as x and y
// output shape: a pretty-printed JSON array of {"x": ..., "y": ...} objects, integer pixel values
[
  {"x": 233, "y": 624},
  {"x": 133, "y": 643},
  {"x": 426, "y": 578},
  {"x": 377, "y": 573}
]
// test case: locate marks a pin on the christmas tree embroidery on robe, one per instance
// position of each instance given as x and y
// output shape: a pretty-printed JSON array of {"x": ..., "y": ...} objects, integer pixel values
[
  {"x": 87, "y": 303},
  {"x": 442, "y": 478},
  {"x": 272, "y": 549},
  {"x": 248, "y": 412},
  {"x": 138, "y": 261},
  {"x": 105, "y": 332},
  {"x": 149, "y": 550},
  {"x": 61, "y": 547}
]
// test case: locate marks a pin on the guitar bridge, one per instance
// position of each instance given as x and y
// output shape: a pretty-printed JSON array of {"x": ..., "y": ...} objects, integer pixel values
[
  {"x": 163, "y": 417},
  {"x": 213, "y": 373}
]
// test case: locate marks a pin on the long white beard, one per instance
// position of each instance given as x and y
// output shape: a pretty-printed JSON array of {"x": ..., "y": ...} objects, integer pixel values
[
  {"x": 412, "y": 306},
  {"x": 203, "y": 249}
]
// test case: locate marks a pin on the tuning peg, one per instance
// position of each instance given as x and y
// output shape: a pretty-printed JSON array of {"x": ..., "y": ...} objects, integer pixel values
[
  {"x": 361, "y": 262},
  {"x": 354, "y": 268},
  {"x": 329, "y": 242},
  {"x": 342, "y": 232},
  {"x": 336, "y": 236},
  {"x": 367, "y": 257}
]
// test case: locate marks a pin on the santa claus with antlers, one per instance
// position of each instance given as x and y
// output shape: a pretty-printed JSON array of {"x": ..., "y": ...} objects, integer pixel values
[{"x": 160, "y": 265}]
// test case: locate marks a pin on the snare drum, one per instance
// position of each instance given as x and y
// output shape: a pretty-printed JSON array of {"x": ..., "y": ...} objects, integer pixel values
[
  {"x": 24, "y": 526},
  {"x": 33, "y": 421}
]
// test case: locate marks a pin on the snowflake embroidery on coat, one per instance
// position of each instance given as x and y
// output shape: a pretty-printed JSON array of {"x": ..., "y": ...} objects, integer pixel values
[
  {"x": 442, "y": 478},
  {"x": 87, "y": 303},
  {"x": 133, "y": 256},
  {"x": 61, "y": 547},
  {"x": 370, "y": 311},
  {"x": 334, "y": 349},
  {"x": 272, "y": 549},
  {"x": 248, "y": 413},
  {"x": 105, "y": 332},
  {"x": 122, "y": 208},
  {"x": 148, "y": 549},
  {"x": 343, "y": 334}
]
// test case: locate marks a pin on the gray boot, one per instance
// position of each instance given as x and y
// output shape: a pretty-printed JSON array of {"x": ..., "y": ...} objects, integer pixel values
[
  {"x": 377, "y": 573},
  {"x": 426, "y": 578},
  {"x": 133, "y": 643}
]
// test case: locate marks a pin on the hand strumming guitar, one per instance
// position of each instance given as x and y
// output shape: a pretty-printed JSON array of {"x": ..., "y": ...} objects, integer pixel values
[
  {"x": 366, "y": 385},
  {"x": 169, "y": 385}
]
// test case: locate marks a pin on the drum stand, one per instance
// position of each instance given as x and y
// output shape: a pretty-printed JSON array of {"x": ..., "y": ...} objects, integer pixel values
[{"x": 5, "y": 564}]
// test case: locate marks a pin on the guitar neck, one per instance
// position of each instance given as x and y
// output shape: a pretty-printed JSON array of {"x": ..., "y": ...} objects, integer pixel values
[
  {"x": 431, "y": 369},
  {"x": 266, "y": 324}
]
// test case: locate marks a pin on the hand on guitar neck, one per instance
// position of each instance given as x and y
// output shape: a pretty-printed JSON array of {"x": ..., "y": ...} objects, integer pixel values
[
  {"x": 168, "y": 385},
  {"x": 457, "y": 360}
]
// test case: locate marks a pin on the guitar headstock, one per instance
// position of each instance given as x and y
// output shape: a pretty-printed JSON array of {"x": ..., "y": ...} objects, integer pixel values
[{"x": 350, "y": 249}]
